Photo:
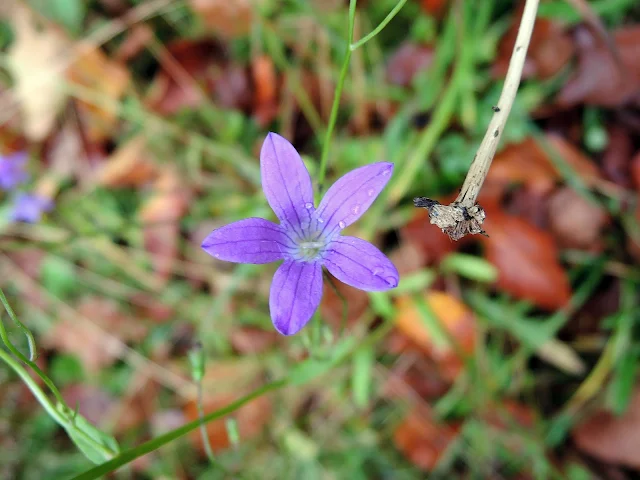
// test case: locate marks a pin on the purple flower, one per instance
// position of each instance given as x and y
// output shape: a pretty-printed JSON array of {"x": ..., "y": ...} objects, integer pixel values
[
  {"x": 12, "y": 170},
  {"x": 29, "y": 207},
  {"x": 307, "y": 238}
]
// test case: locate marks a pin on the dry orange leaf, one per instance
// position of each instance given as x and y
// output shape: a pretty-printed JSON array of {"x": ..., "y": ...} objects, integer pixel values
[
  {"x": 265, "y": 81},
  {"x": 230, "y": 18},
  {"x": 129, "y": 166},
  {"x": 610, "y": 438},
  {"x": 527, "y": 260},
  {"x": 161, "y": 217},
  {"x": 452, "y": 315},
  {"x": 422, "y": 440},
  {"x": 250, "y": 418},
  {"x": 107, "y": 80}
]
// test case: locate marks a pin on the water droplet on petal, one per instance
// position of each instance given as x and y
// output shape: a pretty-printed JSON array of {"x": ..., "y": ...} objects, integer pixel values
[
  {"x": 391, "y": 281},
  {"x": 342, "y": 224},
  {"x": 377, "y": 271},
  {"x": 320, "y": 220},
  {"x": 355, "y": 209},
  {"x": 386, "y": 172},
  {"x": 370, "y": 192},
  {"x": 308, "y": 205},
  {"x": 217, "y": 255}
]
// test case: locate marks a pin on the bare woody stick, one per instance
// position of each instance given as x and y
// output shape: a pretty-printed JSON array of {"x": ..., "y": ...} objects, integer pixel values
[{"x": 464, "y": 216}]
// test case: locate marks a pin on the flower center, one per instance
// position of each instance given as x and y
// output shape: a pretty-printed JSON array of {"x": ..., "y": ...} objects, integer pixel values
[{"x": 310, "y": 249}]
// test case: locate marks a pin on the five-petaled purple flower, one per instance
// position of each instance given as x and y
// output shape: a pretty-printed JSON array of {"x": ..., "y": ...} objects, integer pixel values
[
  {"x": 29, "y": 207},
  {"x": 307, "y": 238},
  {"x": 12, "y": 170}
]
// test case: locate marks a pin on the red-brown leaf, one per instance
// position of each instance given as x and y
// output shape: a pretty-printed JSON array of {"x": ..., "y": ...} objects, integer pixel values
[
  {"x": 406, "y": 62},
  {"x": 422, "y": 440},
  {"x": 251, "y": 419},
  {"x": 161, "y": 216},
  {"x": 527, "y": 260},
  {"x": 575, "y": 221},
  {"x": 550, "y": 49},
  {"x": 599, "y": 79},
  {"x": 612, "y": 439}
]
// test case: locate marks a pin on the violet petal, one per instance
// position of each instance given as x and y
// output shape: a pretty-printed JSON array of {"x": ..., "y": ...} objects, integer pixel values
[
  {"x": 12, "y": 170},
  {"x": 295, "y": 295},
  {"x": 360, "y": 264},
  {"x": 30, "y": 207},
  {"x": 252, "y": 240},
  {"x": 286, "y": 182},
  {"x": 352, "y": 195}
]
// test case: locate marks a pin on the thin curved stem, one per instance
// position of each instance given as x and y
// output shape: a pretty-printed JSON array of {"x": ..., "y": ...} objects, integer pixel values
[
  {"x": 54, "y": 412},
  {"x": 32, "y": 343},
  {"x": 336, "y": 98},
  {"x": 32, "y": 348},
  {"x": 130, "y": 455},
  {"x": 379, "y": 28}
]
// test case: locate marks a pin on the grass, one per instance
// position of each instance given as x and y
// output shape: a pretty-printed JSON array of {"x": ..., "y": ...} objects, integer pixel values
[{"x": 336, "y": 398}]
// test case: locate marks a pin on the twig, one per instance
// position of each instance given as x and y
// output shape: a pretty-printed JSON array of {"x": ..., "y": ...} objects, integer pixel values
[{"x": 464, "y": 216}]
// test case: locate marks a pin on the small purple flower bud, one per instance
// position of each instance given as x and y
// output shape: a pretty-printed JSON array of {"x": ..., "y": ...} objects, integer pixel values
[
  {"x": 12, "y": 170},
  {"x": 29, "y": 207}
]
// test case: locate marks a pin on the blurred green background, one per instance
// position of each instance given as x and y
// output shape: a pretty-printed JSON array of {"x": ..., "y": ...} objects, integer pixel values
[{"x": 511, "y": 356}]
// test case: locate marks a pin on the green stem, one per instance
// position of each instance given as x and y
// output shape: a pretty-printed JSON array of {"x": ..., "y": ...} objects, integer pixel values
[
  {"x": 32, "y": 348},
  {"x": 379, "y": 28},
  {"x": 154, "y": 444},
  {"x": 27, "y": 332},
  {"x": 54, "y": 412},
  {"x": 336, "y": 99},
  {"x": 33, "y": 386},
  {"x": 203, "y": 429}
]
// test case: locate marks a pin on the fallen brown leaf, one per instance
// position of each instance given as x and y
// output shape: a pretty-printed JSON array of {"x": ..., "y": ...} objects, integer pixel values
[
  {"x": 161, "y": 216},
  {"x": 612, "y": 439},
  {"x": 331, "y": 304},
  {"x": 599, "y": 79},
  {"x": 528, "y": 163},
  {"x": 229, "y": 18},
  {"x": 429, "y": 240},
  {"x": 250, "y": 418},
  {"x": 575, "y": 221},
  {"x": 130, "y": 165},
  {"x": 527, "y": 260},
  {"x": 251, "y": 340},
  {"x": 616, "y": 161},
  {"x": 265, "y": 80},
  {"x": 407, "y": 61},
  {"x": 453, "y": 316},
  {"x": 107, "y": 80},
  {"x": 550, "y": 49},
  {"x": 635, "y": 170},
  {"x": 422, "y": 440},
  {"x": 86, "y": 339},
  {"x": 193, "y": 69}
]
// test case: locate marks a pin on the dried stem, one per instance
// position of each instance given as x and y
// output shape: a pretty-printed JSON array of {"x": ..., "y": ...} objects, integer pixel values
[{"x": 464, "y": 216}]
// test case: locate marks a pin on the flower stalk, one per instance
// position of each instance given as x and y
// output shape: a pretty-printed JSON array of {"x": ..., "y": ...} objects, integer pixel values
[{"x": 465, "y": 216}]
